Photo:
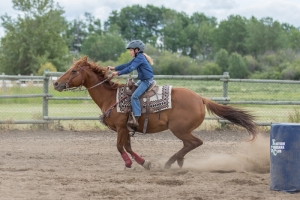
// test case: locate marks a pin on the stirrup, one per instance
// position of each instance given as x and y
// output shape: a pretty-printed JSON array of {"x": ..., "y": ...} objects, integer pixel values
[{"x": 133, "y": 122}]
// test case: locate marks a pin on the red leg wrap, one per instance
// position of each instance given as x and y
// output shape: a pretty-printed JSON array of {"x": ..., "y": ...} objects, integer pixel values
[
  {"x": 137, "y": 158},
  {"x": 127, "y": 160}
]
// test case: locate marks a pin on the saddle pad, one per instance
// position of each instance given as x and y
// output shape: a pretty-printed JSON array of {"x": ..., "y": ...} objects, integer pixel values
[{"x": 158, "y": 102}]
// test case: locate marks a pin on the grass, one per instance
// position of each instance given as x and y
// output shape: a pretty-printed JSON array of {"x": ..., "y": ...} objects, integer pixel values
[
  {"x": 294, "y": 116},
  {"x": 31, "y": 108},
  {"x": 237, "y": 91},
  {"x": 33, "y": 111}
]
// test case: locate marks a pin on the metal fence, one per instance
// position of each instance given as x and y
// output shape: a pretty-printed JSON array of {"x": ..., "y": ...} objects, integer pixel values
[{"x": 32, "y": 99}]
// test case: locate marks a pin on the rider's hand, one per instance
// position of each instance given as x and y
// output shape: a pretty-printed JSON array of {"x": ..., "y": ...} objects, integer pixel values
[
  {"x": 110, "y": 68},
  {"x": 114, "y": 74}
]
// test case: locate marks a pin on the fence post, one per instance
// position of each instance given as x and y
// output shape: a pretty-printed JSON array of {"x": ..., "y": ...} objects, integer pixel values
[
  {"x": 19, "y": 81},
  {"x": 45, "y": 91},
  {"x": 225, "y": 91},
  {"x": 4, "y": 84},
  {"x": 225, "y": 84},
  {"x": 32, "y": 82}
]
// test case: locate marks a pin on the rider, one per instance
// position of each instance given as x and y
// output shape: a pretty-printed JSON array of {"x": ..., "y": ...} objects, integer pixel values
[{"x": 141, "y": 62}]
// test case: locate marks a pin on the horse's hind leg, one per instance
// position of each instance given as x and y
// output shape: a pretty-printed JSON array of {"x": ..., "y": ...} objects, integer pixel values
[{"x": 190, "y": 142}]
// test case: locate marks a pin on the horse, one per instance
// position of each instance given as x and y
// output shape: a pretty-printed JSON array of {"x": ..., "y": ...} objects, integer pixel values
[{"x": 186, "y": 114}]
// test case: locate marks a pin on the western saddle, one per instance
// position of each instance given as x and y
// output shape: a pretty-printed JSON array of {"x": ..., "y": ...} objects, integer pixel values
[{"x": 151, "y": 91}]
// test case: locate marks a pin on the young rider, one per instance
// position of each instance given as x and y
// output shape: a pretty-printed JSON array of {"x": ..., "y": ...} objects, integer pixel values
[{"x": 141, "y": 62}]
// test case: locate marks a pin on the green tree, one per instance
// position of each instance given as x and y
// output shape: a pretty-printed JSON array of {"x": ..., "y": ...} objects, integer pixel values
[
  {"x": 266, "y": 75},
  {"x": 34, "y": 36},
  {"x": 79, "y": 29},
  {"x": 265, "y": 35},
  {"x": 199, "y": 18},
  {"x": 251, "y": 63},
  {"x": 203, "y": 44},
  {"x": 137, "y": 22},
  {"x": 237, "y": 67},
  {"x": 107, "y": 63},
  {"x": 291, "y": 72},
  {"x": 103, "y": 47},
  {"x": 222, "y": 59},
  {"x": 294, "y": 39},
  {"x": 211, "y": 68},
  {"x": 175, "y": 37},
  {"x": 255, "y": 40},
  {"x": 200, "y": 35},
  {"x": 175, "y": 64},
  {"x": 168, "y": 64},
  {"x": 152, "y": 51},
  {"x": 231, "y": 34},
  {"x": 270, "y": 61},
  {"x": 125, "y": 57},
  {"x": 47, "y": 66},
  {"x": 275, "y": 37}
]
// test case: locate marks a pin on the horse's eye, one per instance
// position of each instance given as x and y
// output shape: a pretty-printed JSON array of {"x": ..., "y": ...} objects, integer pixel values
[{"x": 74, "y": 71}]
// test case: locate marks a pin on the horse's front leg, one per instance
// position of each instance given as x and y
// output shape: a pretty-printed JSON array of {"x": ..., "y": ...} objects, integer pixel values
[{"x": 124, "y": 138}]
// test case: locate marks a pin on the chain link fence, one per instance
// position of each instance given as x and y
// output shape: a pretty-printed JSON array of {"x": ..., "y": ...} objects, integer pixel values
[
  {"x": 31, "y": 102},
  {"x": 272, "y": 101}
]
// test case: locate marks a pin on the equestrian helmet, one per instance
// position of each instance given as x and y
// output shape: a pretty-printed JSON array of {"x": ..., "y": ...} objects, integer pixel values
[{"x": 136, "y": 44}]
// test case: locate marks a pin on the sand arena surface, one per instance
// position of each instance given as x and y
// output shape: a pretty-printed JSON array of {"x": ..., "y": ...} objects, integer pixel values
[{"x": 86, "y": 165}]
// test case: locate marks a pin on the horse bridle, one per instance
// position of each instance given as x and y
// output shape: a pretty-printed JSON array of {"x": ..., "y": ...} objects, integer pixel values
[{"x": 82, "y": 81}]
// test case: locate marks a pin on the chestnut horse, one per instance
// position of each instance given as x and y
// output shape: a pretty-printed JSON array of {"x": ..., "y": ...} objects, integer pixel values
[{"x": 186, "y": 114}]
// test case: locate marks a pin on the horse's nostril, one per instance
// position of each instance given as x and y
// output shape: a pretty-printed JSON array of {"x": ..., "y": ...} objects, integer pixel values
[{"x": 55, "y": 84}]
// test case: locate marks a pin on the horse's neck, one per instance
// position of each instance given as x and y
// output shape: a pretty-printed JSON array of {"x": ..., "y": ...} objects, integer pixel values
[{"x": 101, "y": 96}]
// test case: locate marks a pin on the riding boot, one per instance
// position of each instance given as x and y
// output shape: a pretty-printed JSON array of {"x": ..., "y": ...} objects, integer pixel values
[{"x": 133, "y": 121}]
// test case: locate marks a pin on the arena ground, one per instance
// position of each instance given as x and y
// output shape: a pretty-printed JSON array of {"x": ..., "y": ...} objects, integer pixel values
[{"x": 86, "y": 165}]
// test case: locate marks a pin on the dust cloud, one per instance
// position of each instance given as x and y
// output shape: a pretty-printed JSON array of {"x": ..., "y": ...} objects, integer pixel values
[{"x": 251, "y": 157}]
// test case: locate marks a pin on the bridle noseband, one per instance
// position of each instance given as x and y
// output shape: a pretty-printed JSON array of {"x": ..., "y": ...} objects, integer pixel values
[{"x": 82, "y": 81}]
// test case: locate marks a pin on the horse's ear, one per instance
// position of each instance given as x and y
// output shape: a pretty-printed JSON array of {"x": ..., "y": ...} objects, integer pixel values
[{"x": 85, "y": 59}]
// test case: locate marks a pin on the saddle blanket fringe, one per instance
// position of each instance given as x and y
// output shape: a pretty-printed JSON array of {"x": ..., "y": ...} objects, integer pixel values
[{"x": 158, "y": 102}]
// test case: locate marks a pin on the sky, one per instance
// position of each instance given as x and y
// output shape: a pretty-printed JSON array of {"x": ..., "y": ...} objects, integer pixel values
[{"x": 281, "y": 10}]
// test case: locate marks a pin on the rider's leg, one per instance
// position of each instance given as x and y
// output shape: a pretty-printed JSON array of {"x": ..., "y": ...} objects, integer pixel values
[{"x": 135, "y": 102}]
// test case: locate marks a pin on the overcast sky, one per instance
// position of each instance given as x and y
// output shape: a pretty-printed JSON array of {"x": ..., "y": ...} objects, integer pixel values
[{"x": 282, "y": 10}]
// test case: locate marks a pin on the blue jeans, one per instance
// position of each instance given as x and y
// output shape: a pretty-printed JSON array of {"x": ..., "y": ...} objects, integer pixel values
[{"x": 135, "y": 102}]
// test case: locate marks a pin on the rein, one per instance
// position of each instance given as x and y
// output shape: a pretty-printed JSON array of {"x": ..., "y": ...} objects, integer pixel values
[
  {"x": 79, "y": 88},
  {"x": 107, "y": 113}
]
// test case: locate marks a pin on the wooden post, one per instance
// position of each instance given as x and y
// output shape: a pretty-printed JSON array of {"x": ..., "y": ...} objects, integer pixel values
[
  {"x": 19, "y": 82},
  {"x": 4, "y": 84},
  {"x": 225, "y": 84},
  {"x": 45, "y": 99},
  {"x": 225, "y": 91}
]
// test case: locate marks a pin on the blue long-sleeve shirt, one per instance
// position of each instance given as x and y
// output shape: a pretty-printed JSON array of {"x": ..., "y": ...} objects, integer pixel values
[{"x": 139, "y": 63}]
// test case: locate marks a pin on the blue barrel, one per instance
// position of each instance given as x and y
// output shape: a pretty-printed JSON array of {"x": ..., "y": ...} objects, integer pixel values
[{"x": 285, "y": 157}]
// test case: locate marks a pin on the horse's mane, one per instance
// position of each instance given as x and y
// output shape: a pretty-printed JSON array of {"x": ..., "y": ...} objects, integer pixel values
[{"x": 100, "y": 71}]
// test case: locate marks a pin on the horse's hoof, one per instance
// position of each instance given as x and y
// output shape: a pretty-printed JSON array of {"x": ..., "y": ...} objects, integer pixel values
[
  {"x": 167, "y": 166},
  {"x": 180, "y": 162},
  {"x": 127, "y": 167},
  {"x": 147, "y": 164}
]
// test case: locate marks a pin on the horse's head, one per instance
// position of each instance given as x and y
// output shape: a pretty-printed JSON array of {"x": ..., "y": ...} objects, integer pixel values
[
  {"x": 76, "y": 75},
  {"x": 73, "y": 77}
]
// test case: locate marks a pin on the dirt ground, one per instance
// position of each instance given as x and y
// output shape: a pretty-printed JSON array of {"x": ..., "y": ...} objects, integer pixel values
[{"x": 86, "y": 165}]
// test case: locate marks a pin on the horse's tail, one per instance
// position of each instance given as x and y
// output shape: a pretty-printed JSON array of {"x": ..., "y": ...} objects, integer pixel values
[{"x": 235, "y": 115}]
